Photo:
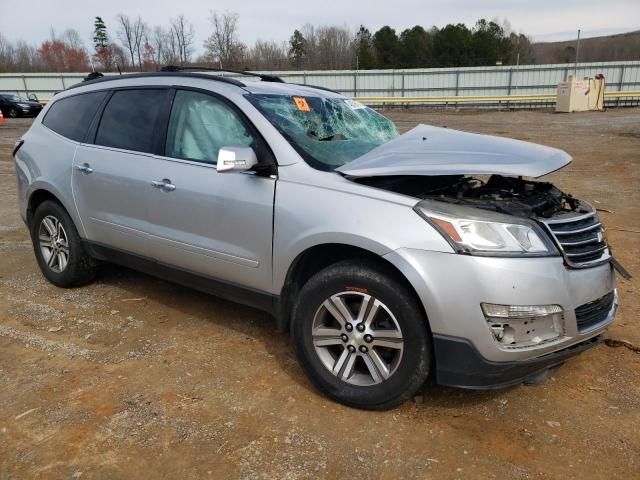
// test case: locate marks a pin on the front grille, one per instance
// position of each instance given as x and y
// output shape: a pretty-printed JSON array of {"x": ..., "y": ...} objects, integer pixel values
[
  {"x": 580, "y": 239},
  {"x": 594, "y": 312}
]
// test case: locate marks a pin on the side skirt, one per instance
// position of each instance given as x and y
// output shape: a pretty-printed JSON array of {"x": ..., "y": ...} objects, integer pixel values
[{"x": 228, "y": 290}]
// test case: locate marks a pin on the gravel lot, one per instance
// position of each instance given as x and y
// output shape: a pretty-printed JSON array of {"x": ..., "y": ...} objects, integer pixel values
[{"x": 133, "y": 377}]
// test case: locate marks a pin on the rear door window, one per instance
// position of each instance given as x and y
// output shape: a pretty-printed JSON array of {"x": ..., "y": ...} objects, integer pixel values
[
  {"x": 129, "y": 119},
  {"x": 71, "y": 116}
]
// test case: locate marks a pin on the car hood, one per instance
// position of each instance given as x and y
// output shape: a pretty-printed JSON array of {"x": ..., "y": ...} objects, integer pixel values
[{"x": 428, "y": 150}]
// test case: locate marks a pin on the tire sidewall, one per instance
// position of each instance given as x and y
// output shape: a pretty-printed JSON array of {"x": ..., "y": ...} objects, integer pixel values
[
  {"x": 69, "y": 276},
  {"x": 415, "y": 362}
]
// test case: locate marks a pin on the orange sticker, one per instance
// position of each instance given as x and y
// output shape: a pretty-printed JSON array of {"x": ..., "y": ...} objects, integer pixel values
[{"x": 302, "y": 104}]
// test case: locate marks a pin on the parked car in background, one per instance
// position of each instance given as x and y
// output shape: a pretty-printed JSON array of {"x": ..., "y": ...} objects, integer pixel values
[
  {"x": 390, "y": 258},
  {"x": 14, "y": 106}
]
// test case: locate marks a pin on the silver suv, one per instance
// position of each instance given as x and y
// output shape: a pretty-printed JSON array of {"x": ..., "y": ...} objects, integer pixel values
[{"x": 390, "y": 258}]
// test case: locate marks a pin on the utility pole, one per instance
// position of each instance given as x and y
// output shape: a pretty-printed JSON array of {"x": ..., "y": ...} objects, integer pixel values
[{"x": 575, "y": 67}]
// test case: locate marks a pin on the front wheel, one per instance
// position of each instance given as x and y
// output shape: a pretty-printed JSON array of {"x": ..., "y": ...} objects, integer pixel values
[{"x": 360, "y": 336}]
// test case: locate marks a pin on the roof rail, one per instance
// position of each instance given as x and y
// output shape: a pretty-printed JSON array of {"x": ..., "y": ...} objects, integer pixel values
[
  {"x": 316, "y": 87},
  {"x": 262, "y": 76},
  {"x": 217, "y": 78}
]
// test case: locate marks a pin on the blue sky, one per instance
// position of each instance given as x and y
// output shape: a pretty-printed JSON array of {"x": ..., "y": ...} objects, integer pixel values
[{"x": 544, "y": 20}]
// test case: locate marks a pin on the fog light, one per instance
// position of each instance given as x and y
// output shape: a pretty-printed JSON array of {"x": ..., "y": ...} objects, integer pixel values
[{"x": 524, "y": 325}]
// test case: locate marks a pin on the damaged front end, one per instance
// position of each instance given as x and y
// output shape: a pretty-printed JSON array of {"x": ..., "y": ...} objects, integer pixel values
[
  {"x": 528, "y": 218},
  {"x": 472, "y": 189}
]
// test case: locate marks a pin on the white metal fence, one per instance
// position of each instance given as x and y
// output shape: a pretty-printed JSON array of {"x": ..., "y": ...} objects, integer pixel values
[{"x": 470, "y": 81}]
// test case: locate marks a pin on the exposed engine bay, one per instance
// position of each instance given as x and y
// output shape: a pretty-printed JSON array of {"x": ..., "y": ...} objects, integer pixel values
[{"x": 510, "y": 195}]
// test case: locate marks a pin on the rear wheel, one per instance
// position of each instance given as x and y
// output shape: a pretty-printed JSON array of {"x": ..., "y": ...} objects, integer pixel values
[
  {"x": 58, "y": 248},
  {"x": 13, "y": 112},
  {"x": 360, "y": 336}
]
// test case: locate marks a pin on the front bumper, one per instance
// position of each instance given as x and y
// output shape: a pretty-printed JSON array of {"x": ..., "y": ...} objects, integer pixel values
[
  {"x": 452, "y": 287},
  {"x": 460, "y": 365}
]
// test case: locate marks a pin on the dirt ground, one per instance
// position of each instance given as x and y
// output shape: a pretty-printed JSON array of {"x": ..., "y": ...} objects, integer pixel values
[{"x": 133, "y": 377}]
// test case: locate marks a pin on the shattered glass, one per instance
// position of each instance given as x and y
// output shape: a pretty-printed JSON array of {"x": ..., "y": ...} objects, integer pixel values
[{"x": 327, "y": 132}]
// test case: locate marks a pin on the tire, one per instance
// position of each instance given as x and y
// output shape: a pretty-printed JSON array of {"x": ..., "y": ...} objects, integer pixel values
[
  {"x": 13, "y": 113},
  {"x": 72, "y": 266},
  {"x": 320, "y": 345}
]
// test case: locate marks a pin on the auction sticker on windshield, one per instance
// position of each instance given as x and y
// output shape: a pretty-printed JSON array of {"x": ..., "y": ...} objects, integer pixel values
[{"x": 302, "y": 104}]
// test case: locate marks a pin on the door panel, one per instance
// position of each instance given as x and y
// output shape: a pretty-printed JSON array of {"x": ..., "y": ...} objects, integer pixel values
[
  {"x": 112, "y": 179},
  {"x": 215, "y": 224},
  {"x": 112, "y": 199}
]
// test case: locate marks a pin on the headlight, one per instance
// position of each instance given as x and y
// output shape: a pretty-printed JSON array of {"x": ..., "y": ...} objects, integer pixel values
[
  {"x": 24, "y": 105},
  {"x": 476, "y": 234}
]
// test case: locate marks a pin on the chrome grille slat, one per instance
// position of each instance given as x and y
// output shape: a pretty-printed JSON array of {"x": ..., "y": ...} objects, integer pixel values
[
  {"x": 578, "y": 230},
  {"x": 590, "y": 252},
  {"x": 579, "y": 239}
]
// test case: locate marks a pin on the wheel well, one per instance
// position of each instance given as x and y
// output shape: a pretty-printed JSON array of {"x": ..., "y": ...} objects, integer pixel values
[
  {"x": 314, "y": 259},
  {"x": 36, "y": 198}
]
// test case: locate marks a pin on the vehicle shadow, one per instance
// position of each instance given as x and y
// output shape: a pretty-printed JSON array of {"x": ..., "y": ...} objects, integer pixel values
[{"x": 260, "y": 327}]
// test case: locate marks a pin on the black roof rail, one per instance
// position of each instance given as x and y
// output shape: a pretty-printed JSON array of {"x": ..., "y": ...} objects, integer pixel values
[
  {"x": 317, "y": 87},
  {"x": 217, "y": 78},
  {"x": 262, "y": 76}
]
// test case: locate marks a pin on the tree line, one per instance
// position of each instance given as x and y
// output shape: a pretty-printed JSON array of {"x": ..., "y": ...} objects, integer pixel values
[{"x": 131, "y": 44}]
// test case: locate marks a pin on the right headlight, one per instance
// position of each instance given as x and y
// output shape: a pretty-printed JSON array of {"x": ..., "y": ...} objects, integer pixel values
[{"x": 479, "y": 235}]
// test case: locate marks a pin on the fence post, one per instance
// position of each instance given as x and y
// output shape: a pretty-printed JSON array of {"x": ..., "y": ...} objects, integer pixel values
[
  {"x": 402, "y": 85},
  {"x": 304, "y": 77},
  {"x": 621, "y": 78},
  {"x": 355, "y": 83},
  {"x": 510, "y": 77},
  {"x": 457, "y": 81},
  {"x": 64, "y": 87},
  {"x": 26, "y": 89}
]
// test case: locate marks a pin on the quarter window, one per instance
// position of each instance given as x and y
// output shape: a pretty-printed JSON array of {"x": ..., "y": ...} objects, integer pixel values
[
  {"x": 200, "y": 125},
  {"x": 129, "y": 119},
  {"x": 71, "y": 116}
]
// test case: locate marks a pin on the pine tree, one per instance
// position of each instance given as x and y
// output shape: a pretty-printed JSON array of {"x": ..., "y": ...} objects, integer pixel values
[
  {"x": 297, "y": 48},
  {"x": 364, "y": 48},
  {"x": 100, "y": 38}
]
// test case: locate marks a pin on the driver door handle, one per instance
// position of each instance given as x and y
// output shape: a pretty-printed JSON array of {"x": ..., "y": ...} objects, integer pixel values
[
  {"x": 165, "y": 185},
  {"x": 84, "y": 168}
]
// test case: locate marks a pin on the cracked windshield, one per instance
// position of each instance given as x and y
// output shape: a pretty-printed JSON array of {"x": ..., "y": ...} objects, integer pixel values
[{"x": 327, "y": 132}]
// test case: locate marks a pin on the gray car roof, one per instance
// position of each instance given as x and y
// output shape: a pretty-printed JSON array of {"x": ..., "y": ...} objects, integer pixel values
[{"x": 252, "y": 86}]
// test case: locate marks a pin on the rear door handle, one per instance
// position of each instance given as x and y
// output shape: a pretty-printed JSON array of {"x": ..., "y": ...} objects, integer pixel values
[
  {"x": 84, "y": 168},
  {"x": 164, "y": 185}
]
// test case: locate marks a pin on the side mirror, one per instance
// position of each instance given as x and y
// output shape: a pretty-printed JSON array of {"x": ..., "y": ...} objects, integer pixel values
[
  {"x": 33, "y": 97},
  {"x": 236, "y": 159}
]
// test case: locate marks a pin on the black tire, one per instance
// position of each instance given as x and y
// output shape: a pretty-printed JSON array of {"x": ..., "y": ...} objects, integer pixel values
[
  {"x": 80, "y": 268},
  {"x": 13, "y": 112},
  {"x": 414, "y": 364}
]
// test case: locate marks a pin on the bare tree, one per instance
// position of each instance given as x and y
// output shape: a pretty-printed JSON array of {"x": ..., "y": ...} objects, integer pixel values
[
  {"x": 125, "y": 34},
  {"x": 139, "y": 33},
  {"x": 131, "y": 34},
  {"x": 183, "y": 31},
  {"x": 329, "y": 47},
  {"x": 72, "y": 38},
  {"x": 223, "y": 45},
  {"x": 267, "y": 55}
]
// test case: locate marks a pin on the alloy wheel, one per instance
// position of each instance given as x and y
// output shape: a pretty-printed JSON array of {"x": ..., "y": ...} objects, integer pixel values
[
  {"x": 357, "y": 338},
  {"x": 54, "y": 244}
]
